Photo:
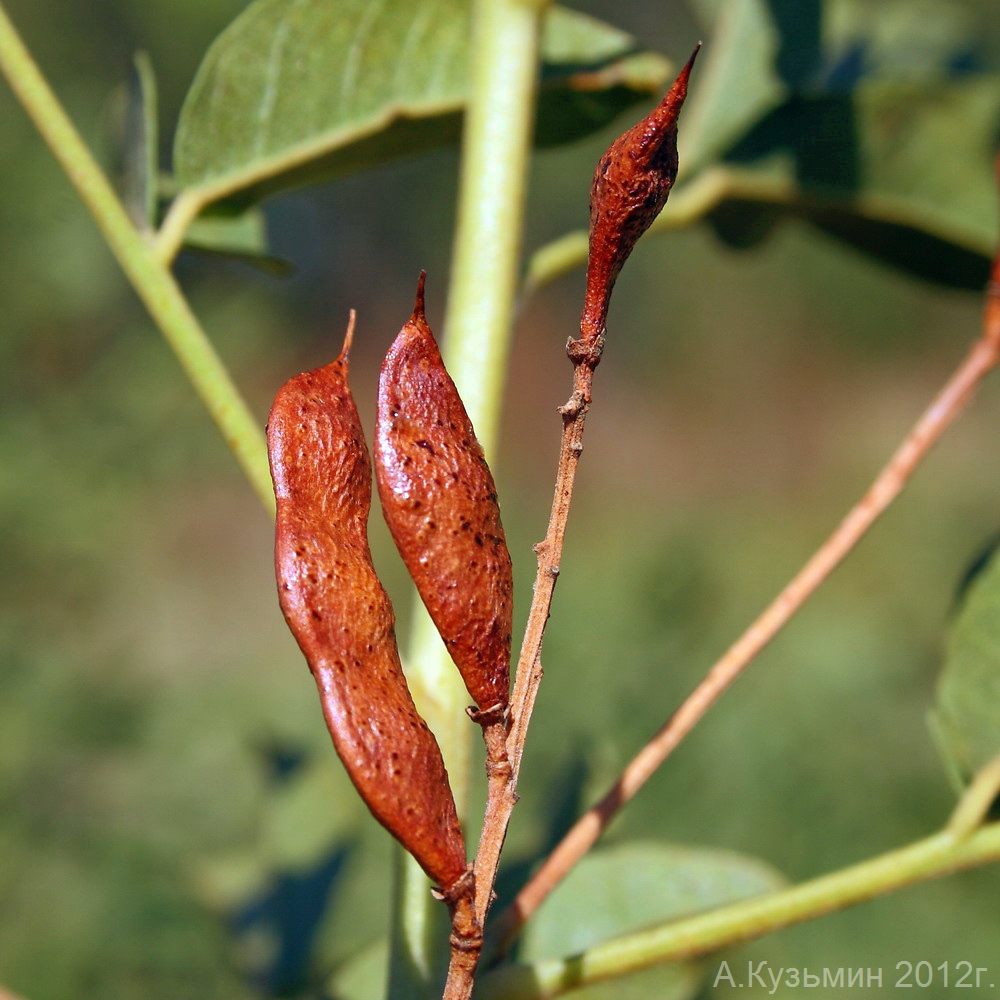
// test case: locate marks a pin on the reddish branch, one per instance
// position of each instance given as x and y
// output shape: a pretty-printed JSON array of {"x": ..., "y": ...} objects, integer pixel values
[
  {"x": 946, "y": 406},
  {"x": 631, "y": 185}
]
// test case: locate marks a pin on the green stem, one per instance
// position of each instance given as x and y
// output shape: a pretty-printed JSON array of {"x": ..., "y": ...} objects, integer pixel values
[
  {"x": 419, "y": 935},
  {"x": 495, "y": 158},
  {"x": 153, "y": 283},
  {"x": 938, "y": 855},
  {"x": 496, "y": 149},
  {"x": 419, "y": 955},
  {"x": 184, "y": 209},
  {"x": 974, "y": 805}
]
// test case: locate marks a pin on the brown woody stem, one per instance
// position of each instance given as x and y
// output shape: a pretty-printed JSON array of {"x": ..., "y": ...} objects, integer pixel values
[
  {"x": 549, "y": 551},
  {"x": 630, "y": 186},
  {"x": 946, "y": 406},
  {"x": 466, "y": 938},
  {"x": 502, "y": 794},
  {"x": 495, "y": 154}
]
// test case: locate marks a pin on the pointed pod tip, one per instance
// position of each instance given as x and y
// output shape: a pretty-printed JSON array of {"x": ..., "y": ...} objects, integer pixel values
[
  {"x": 663, "y": 118},
  {"x": 686, "y": 68},
  {"x": 418, "y": 306},
  {"x": 678, "y": 89},
  {"x": 345, "y": 351}
]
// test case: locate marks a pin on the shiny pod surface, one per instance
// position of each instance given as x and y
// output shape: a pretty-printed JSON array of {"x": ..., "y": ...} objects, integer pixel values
[
  {"x": 440, "y": 503},
  {"x": 343, "y": 621}
]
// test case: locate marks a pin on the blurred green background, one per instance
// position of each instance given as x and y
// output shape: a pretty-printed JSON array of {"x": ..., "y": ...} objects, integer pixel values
[{"x": 173, "y": 822}]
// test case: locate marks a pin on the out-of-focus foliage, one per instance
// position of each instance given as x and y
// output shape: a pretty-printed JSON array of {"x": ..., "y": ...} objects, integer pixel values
[
  {"x": 875, "y": 122},
  {"x": 639, "y": 885},
  {"x": 967, "y": 712},
  {"x": 295, "y": 91},
  {"x": 174, "y": 823}
]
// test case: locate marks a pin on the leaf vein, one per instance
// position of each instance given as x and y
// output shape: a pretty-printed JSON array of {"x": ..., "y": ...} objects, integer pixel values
[
  {"x": 355, "y": 54},
  {"x": 272, "y": 77}
]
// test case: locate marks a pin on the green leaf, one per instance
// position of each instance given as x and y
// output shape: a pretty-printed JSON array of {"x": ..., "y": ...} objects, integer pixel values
[
  {"x": 881, "y": 124},
  {"x": 297, "y": 90},
  {"x": 362, "y": 977},
  {"x": 735, "y": 85},
  {"x": 618, "y": 890},
  {"x": 679, "y": 981},
  {"x": 876, "y": 124},
  {"x": 241, "y": 236},
  {"x": 301, "y": 821},
  {"x": 966, "y": 715},
  {"x": 868, "y": 168}
]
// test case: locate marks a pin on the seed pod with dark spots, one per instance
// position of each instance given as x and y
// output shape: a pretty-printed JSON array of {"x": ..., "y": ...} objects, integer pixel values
[
  {"x": 440, "y": 503},
  {"x": 631, "y": 184},
  {"x": 343, "y": 620}
]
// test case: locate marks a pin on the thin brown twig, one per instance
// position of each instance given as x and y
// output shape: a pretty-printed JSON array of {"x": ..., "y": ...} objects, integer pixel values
[
  {"x": 946, "y": 406},
  {"x": 502, "y": 796},
  {"x": 504, "y": 761},
  {"x": 631, "y": 184},
  {"x": 466, "y": 948},
  {"x": 549, "y": 551}
]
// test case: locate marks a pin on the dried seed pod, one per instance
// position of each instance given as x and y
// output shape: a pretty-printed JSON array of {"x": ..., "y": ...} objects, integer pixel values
[
  {"x": 631, "y": 185},
  {"x": 343, "y": 620},
  {"x": 440, "y": 503}
]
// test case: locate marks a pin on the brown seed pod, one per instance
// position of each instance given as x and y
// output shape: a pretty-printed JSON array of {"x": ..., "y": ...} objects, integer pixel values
[
  {"x": 440, "y": 503},
  {"x": 343, "y": 620},
  {"x": 631, "y": 185}
]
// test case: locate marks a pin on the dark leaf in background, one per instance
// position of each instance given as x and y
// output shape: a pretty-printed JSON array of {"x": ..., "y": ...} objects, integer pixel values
[
  {"x": 240, "y": 235},
  {"x": 879, "y": 130}
]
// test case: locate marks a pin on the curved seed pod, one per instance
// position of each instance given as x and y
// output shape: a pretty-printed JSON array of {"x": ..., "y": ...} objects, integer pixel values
[
  {"x": 440, "y": 503},
  {"x": 631, "y": 185},
  {"x": 343, "y": 621}
]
